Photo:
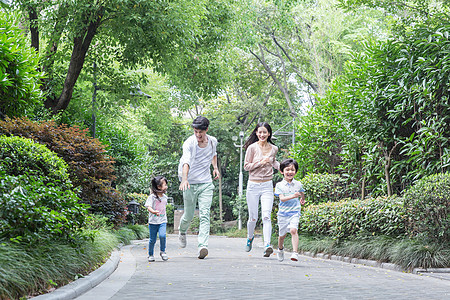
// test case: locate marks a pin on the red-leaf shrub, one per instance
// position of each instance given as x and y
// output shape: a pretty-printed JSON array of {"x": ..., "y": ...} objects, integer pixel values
[{"x": 90, "y": 168}]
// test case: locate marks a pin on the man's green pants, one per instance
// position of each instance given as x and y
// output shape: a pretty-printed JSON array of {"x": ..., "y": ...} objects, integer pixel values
[{"x": 203, "y": 194}]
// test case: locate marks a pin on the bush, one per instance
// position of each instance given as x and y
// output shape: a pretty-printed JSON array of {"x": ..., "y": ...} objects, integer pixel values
[
  {"x": 32, "y": 211},
  {"x": 427, "y": 205},
  {"x": 89, "y": 167},
  {"x": 19, "y": 75},
  {"x": 351, "y": 218},
  {"x": 19, "y": 156},
  {"x": 321, "y": 188}
]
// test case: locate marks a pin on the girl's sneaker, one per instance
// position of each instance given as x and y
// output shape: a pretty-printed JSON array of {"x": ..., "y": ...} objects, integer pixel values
[
  {"x": 164, "y": 256},
  {"x": 280, "y": 254},
  {"x": 248, "y": 247},
  {"x": 294, "y": 256},
  {"x": 268, "y": 251},
  {"x": 151, "y": 258}
]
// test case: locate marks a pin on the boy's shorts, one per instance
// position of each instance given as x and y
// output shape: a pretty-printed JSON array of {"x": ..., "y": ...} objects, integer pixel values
[{"x": 286, "y": 223}]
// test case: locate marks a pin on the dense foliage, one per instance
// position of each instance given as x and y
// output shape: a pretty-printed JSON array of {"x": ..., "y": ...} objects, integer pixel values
[
  {"x": 20, "y": 156},
  {"x": 321, "y": 188},
  {"x": 384, "y": 123},
  {"x": 353, "y": 218},
  {"x": 19, "y": 71},
  {"x": 32, "y": 211},
  {"x": 89, "y": 167},
  {"x": 427, "y": 204}
]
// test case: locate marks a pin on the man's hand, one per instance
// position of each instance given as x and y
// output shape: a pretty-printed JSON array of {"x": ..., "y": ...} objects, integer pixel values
[
  {"x": 216, "y": 173},
  {"x": 157, "y": 212},
  {"x": 184, "y": 185}
]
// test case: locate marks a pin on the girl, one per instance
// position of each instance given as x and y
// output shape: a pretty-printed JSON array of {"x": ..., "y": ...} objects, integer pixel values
[
  {"x": 260, "y": 161},
  {"x": 157, "y": 219}
]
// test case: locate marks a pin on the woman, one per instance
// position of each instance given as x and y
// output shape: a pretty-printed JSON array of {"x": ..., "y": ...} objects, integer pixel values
[{"x": 260, "y": 161}]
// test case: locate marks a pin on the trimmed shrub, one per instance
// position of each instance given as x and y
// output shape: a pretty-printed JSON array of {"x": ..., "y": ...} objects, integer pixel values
[
  {"x": 19, "y": 156},
  {"x": 350, "y": 218},
  {"x": 31, "y": 210},
  {"x": 320, "y": 188},
  {"x": 89, "y": 167},
  {"x": 427, "y": 205}
]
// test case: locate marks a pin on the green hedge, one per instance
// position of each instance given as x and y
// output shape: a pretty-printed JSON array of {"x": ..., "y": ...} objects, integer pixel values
[
  {"x": 20, "y": 156},
  {"x": 350, "y": 218},
  {"x": 427, "y": 204},
  {"x": 31, "y": 210},
  {"x": 320, "y": 188}
]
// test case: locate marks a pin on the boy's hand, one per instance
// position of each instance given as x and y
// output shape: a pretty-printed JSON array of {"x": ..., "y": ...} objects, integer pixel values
[{"x": 157, "y": 212}]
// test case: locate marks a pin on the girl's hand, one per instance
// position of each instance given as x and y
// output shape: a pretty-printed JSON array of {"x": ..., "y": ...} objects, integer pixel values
[{"x": 302, "y": 201}]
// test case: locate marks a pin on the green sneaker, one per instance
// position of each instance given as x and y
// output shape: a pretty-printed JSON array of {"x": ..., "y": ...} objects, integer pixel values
[{"x": 248, "y": 247}]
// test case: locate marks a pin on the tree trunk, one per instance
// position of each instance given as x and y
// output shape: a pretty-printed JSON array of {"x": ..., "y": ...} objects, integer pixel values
[
  {"x": 34, "y": 30},
  {"x": 80, "y": 48}
]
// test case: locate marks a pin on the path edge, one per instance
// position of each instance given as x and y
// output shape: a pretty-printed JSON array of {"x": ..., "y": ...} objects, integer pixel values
[{"x": 84, "y": 284}]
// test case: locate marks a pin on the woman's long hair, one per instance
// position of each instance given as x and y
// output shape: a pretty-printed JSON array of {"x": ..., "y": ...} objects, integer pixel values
[
  {"x": 157, "y": 181},
  {"x": 253, "y": 138}
]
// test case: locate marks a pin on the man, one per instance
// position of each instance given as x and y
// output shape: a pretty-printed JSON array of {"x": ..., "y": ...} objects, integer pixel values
[{"x": 199, "y": 152}]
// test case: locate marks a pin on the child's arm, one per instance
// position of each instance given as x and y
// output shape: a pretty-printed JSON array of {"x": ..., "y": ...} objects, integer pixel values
[
  {"x": 284, "y": 198},
  {"x": 151, "y": 210},
  {"x": 302, "y": 198}
]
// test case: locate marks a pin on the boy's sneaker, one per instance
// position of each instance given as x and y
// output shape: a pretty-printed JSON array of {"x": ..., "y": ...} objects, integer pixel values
[
  {"x": 294, "y": 256},
  {"x": 203, "y": 252},
  {"x": 248, "y": 247},
  {"x": 268, "y": 251},
  {"x": 280, "y": 254},
  {"x": 182, "y": 240},
  {"x": 151, "y": 258},
  {"x": 164, "y": 256}
]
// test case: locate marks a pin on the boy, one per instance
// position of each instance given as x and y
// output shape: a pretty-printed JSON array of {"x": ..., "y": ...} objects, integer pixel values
[{"x": 289, "y": 190}]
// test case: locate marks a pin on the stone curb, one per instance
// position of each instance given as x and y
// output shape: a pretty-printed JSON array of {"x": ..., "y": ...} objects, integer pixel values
[
  {"x": 374, "y": 263},
  {"x": 82, "y": 285}
]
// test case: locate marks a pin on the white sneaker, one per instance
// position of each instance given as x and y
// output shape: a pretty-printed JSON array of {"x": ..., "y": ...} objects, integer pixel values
[
  {"x": 280, "y": 255},
  {"x": 182, "y": 240},
  {"x": 203, "y": 252},
  {"x": 151, "y": 258},
  {"x": 164, "y": 256},
  {"x": 268, "y": 251},
  {"x": 294, "y": 256}
]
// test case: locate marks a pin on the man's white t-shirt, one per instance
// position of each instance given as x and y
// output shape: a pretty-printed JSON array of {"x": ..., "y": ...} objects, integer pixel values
[{"x": 200, "y": 171}]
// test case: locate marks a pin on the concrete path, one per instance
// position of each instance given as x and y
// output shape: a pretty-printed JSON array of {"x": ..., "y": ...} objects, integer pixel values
[{"x": 228, "y": 272}]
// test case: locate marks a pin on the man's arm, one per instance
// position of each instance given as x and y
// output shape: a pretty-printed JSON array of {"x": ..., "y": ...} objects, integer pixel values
[
  {"x": 184, "y": 185},
  {"x": 216, "y": 172}
]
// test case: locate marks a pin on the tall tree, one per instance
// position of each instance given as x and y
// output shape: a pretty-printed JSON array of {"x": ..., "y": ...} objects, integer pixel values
[{"x": 163, "y": 33}]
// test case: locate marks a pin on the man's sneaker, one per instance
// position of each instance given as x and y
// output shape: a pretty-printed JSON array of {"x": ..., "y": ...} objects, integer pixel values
[
  {"x": 202, "y": 253},
  {"x": 268, "y": 251},
  {"x": 248, "y": 247},
  {"x": 164, "y": 256},
  {"x": 182, "y": 240},
  {"x": 151, "y": 258},
  {"x": 294, "y": 256},
  {"x": 280, "y": 254}
]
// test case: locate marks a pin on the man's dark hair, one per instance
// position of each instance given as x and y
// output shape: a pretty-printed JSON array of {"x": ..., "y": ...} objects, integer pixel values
[
  {"x": 287, "y": 162},
  {"x": 201, "y": 123}
]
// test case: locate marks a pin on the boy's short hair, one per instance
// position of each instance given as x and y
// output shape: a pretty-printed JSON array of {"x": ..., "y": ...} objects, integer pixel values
[
  {"x": 201, "y": 123},
  {"x": 287, "y": 162}
]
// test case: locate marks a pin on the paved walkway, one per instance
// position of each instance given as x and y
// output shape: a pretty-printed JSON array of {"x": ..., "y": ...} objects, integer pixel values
[{"x": 228, "y": 272}]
